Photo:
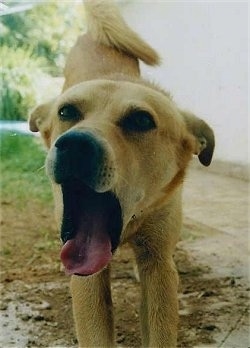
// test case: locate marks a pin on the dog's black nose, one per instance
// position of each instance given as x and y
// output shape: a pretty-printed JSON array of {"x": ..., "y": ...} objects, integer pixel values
[{"x": 79, "y": 156}]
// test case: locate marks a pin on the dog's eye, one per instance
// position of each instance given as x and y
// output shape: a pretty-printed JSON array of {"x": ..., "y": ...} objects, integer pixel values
[
  {"x": 138, "y": 121},
  {"x": 69, "y": 113}
]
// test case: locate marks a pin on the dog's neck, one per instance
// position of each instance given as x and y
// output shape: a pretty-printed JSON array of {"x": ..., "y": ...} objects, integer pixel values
[{"x": 168, "y": 190}]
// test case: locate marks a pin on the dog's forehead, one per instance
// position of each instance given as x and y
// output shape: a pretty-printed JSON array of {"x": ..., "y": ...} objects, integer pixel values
[{"x": 107, "y": 92}]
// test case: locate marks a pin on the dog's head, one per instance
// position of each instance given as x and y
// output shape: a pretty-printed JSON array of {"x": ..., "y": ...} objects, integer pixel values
[{"x": 117, "y": 149}]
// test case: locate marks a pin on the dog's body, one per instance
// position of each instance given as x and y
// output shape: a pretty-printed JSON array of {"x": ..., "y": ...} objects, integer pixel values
[{"x": 118, "y": 151}]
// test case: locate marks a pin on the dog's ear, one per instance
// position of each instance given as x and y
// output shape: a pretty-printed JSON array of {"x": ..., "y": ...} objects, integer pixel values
[
  {"x": 40, "y": 121},
  {"x": 204, "y": 136}
]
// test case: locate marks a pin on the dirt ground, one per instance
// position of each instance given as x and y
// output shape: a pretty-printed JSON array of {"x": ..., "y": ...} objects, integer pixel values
[{"x": 214, "y": 290}]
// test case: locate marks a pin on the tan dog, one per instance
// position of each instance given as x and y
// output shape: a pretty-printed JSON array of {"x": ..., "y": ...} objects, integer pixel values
[{"x": 118, "y": 151}]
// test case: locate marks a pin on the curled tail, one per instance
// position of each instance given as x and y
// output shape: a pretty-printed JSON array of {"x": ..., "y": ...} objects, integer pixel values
[{"x": 107, "y": 27}]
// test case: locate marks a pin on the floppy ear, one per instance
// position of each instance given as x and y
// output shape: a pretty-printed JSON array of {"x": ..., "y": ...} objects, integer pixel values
[
  {"x": 40, "y": 121},
  {"x": 204, "y": 137}
]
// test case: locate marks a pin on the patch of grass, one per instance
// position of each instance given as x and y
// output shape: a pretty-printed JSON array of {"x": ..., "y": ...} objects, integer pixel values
[
  {"x": 23, "y": 177},
  {"x": 46, "y": 241}
]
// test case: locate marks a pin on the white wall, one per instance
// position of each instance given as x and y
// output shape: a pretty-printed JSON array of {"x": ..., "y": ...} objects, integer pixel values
[{"x": 204, "y": 48}]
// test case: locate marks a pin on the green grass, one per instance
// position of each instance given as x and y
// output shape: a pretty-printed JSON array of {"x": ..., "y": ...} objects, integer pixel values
[{"x": 23, "y": 177}]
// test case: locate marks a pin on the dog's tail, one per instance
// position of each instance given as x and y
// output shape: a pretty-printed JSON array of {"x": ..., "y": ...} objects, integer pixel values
[{"x": 107, "y": 27}]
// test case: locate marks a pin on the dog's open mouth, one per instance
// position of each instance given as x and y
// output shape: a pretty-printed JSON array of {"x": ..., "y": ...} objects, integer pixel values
[{"x": 91, "y": 228}]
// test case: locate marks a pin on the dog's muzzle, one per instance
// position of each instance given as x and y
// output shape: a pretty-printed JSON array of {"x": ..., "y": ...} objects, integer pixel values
[
  {"x": 81, "y": 157},
  {"x": 92, "y": 216}
]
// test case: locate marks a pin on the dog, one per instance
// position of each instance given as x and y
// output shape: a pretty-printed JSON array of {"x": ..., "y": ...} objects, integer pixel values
[{"x": 118, "y": 150}]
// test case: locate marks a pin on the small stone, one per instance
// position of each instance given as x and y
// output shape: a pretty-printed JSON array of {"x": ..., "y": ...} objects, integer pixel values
[
  {"x": 25, "y": 317},
  {"x": 38, "y": 317},
  {"x": 209, "y": 327},
  {"x": 120, "y": 338},
  {"x": 232, "y": 282},
  {"x": 3, "y": 306}
]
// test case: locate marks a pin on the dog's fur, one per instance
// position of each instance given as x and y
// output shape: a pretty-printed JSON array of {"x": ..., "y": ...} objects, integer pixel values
[{"x": 143, "y": 168}]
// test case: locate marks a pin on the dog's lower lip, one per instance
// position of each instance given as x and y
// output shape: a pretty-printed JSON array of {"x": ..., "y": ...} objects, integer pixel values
[{"x": 92, "y": 223}]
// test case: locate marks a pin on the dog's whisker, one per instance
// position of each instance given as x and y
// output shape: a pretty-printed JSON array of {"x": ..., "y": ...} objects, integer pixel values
[{"x": 39, "y": 169}]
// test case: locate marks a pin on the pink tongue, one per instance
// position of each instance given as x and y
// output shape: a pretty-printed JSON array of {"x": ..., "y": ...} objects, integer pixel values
[{"x": 87, "y": 254}]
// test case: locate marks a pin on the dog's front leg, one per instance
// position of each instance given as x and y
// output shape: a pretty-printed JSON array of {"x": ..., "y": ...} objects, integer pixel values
[
  {"x": 159, "y": 304},
  {"x": 92, "y": 309}
]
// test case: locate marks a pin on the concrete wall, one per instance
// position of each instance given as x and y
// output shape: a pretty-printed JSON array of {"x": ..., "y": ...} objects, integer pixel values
[{"x": 204, "y": 48}]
